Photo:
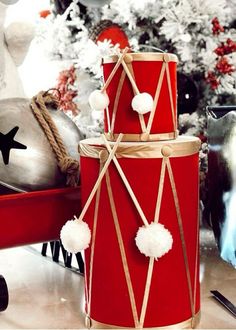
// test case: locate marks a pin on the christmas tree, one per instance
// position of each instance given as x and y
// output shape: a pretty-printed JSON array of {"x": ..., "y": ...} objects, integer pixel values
[{"x": 202, "y": 33}]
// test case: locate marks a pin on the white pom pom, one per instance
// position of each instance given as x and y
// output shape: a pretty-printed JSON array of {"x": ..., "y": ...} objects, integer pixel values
[
  {"x": 98, "y": 100},
  {"x": 75, "y": 236},
  {"x": 142, "y": 103},
  {"x": 154, "y": 240}
]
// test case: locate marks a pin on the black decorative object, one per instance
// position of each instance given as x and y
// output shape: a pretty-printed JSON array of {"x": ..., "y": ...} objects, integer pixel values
[
  {"x": 57, "y": 247},
  {"x": 224, "y": 302},
  {"x": 7, "y": 143},
  {"x": 4, "y": 297},
  {"x": 187, "y": 94}
]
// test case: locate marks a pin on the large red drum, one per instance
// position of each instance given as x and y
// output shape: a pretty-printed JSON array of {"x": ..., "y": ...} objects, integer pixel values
[
  {"x": 124, "y": 288},
  {"x": 154, "y": 73}
]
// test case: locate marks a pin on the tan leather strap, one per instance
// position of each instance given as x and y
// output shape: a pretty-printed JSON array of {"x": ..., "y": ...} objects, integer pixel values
[
  {"x": 127, "y": 185},
  {"x": 101, "y": 175},
  {"x": 117, "y": 98},
  {"x": 160, "y": 190},
  {"x": 156, "y": 98},
  {"x": 171, "y": 97},
  {"x": 136, "y": 91},
  {"x": 108, "y": 119},
  {"x": 151, "y": 259},
  {"x": 186, "y": 324},
  {"x": 184, "y": 146},
  {"x": 109, "y": 79},
  {"x": 94, "y": 231},
  {"x": 113, "y": 72},
  {"x": 143, "y": 57},
  {"x": 143, "y": 137},
  {"x": 181, "y": 231},
  {"x": 196, "y": 263},
  {"x": 122, "y": 252}
]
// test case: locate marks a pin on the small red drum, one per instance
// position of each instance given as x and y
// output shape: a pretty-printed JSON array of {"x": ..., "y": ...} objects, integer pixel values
[
  {"x": 153, "y": 73},
  {"x": 124, "y": 288}
]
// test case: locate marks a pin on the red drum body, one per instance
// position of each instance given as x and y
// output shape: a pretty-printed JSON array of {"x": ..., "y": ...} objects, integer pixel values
[
  {"x": 154, "y": 73},
  {"x": 124, "y": 288}
]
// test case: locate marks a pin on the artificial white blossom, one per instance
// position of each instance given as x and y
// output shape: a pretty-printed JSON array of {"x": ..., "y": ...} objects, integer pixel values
[{"x": 184, "y": 26}]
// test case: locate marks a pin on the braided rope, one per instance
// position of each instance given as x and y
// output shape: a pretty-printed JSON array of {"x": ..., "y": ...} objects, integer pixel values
[{"x": 67, "y": 164}]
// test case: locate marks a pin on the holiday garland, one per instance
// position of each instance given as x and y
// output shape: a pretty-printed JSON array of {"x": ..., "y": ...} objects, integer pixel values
[{"x": 65, "y": 86}]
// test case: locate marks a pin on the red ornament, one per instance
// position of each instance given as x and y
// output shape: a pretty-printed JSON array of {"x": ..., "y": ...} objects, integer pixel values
[
  {"x": 107, "y": 30},
  {"x": 220, "y": 51},
  {"x": 44, "y": 13},
  {"x": 226, "y": 48},
  {"x": 217, "y": 28},
  {"x": 212, "y": 80},
  {"x": 224, "y": 66}
]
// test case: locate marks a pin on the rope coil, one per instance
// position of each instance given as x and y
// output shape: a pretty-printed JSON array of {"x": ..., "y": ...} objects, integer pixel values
[{"x": 68, "y": 165}]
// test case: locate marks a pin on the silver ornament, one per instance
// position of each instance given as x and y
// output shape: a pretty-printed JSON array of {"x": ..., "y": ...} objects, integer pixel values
[
  {"x": 27, "y": 162},
  {"x": 94, "y": 3}
]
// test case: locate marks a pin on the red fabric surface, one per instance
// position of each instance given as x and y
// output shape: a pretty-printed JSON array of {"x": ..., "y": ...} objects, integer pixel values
[
  {"x": 34, "y": 217},
  {"x": 146, "y": 76},
  {"x": 169, "y": 296}
]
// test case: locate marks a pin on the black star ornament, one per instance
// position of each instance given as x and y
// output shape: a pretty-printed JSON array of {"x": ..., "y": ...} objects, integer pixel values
[{"x": 7, "y": 143}]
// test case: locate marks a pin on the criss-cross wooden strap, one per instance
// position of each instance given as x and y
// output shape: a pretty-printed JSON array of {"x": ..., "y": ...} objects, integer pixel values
[
  {"x": 122, "y": 252},
  {"x": 151, "y": 259},
  {"x": 182, "y": 236},
  {"x": 156, "y": 97},
  {"x": 99, "y": 179}
]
